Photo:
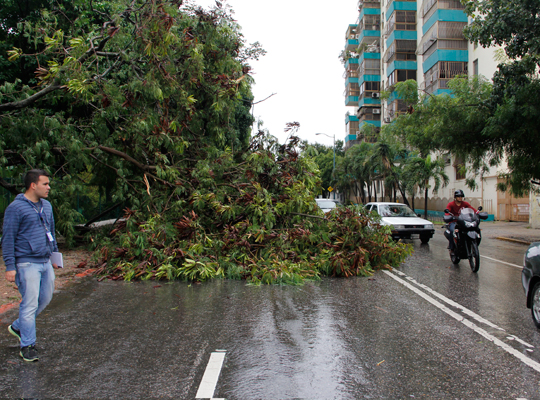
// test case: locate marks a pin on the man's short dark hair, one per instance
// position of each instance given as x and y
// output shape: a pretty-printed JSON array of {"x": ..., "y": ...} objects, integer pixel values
[{"x": 32, "y": 176}]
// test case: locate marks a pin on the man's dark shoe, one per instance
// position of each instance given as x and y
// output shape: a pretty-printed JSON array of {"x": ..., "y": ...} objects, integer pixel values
[
  {"x": 14, "y": 332},
  {"x": 29, "y": 353}
]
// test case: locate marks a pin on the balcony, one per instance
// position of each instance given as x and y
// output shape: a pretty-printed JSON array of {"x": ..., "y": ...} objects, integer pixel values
[
  {"x": 369, "y": 114},
  {"x": 368, "y": 4},
  {"x": 369, "y": 41},
  {"x": 396, "y": 108},
  {"x": 430, "y": 7},
  {"x": 352, "y": 91},
  {"x": 436, "y": 79},
  {"x": 401, "y": 50},
  {"x": 369, "y": 67},
  {"x": 401, "y": 21},
  {"x": 400, "y": 75},
  {"x": 443, "y": 35},
  {"x": 402, "y": 5},
  {"x": 351, "y": 123}
]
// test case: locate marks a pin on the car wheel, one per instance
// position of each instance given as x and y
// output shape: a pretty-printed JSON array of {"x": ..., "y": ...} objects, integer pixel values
[
  {"x": 424, "y": 239},
  {"x": 535, "y": 304}
]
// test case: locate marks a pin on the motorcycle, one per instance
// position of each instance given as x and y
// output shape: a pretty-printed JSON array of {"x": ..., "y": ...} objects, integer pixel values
[{"x": 466, "y": 235}]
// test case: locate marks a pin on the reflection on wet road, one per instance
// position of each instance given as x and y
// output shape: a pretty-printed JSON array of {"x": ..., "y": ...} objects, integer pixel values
[{"x": 466, "y": 335}]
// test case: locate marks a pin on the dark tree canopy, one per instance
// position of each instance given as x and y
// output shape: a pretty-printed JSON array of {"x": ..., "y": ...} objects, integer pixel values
[{"x": 514, "y": 106}]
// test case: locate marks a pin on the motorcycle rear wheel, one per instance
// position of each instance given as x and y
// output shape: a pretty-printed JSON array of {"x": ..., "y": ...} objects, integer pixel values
[{"x": 474, "y": 258}]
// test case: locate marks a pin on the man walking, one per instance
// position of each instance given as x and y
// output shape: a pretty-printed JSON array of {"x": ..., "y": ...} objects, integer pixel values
[{"x": 27, "y": 243}]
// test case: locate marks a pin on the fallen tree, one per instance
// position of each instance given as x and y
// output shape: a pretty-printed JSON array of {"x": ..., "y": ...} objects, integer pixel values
[
  {"x": 254, "y": 220},
  {"x": 149, "y": 101}
]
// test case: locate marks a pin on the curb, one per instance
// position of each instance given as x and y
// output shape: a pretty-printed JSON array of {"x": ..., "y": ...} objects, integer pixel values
[{"x": 513, "y": 240}]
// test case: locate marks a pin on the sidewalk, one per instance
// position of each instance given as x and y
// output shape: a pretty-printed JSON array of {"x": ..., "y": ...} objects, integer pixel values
[{"x": 518, "y": 232}]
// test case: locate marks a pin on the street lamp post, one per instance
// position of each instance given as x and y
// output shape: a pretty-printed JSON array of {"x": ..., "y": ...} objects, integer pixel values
[{"x": 334, "y": 149}]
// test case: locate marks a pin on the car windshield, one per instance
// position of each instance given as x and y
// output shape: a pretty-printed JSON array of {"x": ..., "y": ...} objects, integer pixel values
[
  {"x": 395, "y": 210},
  {"x": 326, "y": 204}
]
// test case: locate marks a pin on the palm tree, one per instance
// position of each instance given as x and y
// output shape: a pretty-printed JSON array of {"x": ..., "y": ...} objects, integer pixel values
[
  {"x": 355, "y": 169},
  {"x": 421, "y": 170},
  {"x": 384, "y": 156}
]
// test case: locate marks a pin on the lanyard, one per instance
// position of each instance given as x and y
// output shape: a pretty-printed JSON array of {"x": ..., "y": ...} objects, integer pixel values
[
  {"x": 41, "y": 215},
  {"x": 43, "y": 218}
]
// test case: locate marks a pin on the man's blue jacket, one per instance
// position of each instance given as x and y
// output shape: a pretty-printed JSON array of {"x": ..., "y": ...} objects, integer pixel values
[{"x": 24, "y": 236}]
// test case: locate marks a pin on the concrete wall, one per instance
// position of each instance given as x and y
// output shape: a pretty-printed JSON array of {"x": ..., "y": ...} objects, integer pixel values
[{"x": 534, "y": 214}]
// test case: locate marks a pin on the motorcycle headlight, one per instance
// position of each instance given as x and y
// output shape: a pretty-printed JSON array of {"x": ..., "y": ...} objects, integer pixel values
[
  {"x": 470, "y": 224},
  {"x": 428, "y": 226}
]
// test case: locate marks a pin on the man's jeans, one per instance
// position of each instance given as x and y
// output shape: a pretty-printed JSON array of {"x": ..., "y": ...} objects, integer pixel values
[{"x": 36, "y": 285}]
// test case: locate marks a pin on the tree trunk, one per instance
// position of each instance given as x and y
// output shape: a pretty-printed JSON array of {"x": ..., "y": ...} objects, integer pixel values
[{"x": 425, "y": 203}]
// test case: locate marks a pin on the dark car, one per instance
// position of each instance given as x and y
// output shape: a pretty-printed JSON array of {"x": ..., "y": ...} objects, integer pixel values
[{"x": 530, "y": 277}]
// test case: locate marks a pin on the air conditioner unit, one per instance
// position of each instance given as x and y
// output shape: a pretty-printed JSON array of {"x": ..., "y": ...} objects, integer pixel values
[
  {"x": 387, "y": 120},
  {"x": 357, "y": 132},
  {"x": 375, "y": 95},
  {"x": 376, "y": 111}
]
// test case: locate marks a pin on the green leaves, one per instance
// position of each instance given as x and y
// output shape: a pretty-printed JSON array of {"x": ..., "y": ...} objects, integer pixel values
[{"x": 14, "y": 54}]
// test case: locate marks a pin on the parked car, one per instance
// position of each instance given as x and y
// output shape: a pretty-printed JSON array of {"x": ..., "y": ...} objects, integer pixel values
[
  {"x": 404, "y": 222},
  {"x": 530, "y": 278},
  {"x": 327, "y": 205}
]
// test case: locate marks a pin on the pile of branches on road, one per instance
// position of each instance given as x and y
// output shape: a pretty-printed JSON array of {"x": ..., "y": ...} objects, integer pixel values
[{"x": 254, "y": 220}]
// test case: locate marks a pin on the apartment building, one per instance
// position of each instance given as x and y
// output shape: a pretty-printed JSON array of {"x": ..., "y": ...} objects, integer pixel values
[{"x": 393, "y": 41}]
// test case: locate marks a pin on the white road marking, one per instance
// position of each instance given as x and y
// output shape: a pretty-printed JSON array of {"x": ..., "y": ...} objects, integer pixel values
[
  {"x": 211, "y": 375},
  {"x": 502, "y": 262},
  {"x": 509, "y": 349},
  {"x": 451, "y": 302}
]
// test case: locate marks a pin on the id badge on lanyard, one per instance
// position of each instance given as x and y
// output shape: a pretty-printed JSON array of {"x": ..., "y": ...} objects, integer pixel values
[{"x": 40, "y": 214}]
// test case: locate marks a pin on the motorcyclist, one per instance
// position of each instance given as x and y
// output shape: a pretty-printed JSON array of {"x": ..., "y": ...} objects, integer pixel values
[{"x": 455, "y": 208}]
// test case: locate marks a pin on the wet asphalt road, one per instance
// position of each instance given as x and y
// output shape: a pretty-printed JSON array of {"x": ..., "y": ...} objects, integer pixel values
[{"x": 380, "y": 337}]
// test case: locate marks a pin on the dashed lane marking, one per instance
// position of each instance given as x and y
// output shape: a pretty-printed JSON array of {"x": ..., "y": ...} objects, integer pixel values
[
  {"x": 211, "y": 375},
  {"x": 502, "y": 262},
  {"x": 509, "y": 349}
]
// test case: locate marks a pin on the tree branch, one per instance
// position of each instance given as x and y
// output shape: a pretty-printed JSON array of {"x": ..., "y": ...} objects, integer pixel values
[
  {"x": 307, "y": 215},
  {"x": 17, "y": 105},
  {"x": 9, "y": 187},
  {"x": 134, "y": 162},
  {"x": 124, "y": 156}
]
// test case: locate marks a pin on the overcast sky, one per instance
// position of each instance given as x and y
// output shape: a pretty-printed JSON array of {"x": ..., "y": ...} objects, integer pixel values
[{"x": 303, "y": 39}]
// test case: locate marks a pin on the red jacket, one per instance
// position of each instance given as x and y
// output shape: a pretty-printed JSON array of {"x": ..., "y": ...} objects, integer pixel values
[{"x": 455, "y": 209}]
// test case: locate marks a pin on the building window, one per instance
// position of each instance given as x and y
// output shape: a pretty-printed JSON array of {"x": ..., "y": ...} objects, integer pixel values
[
  {"x": 450, "y": 69},
  {"x": 369, "y": 87},
  {"x": 475, "y": 67},
  {"x": 401, "y": 75},
  {"x": 459, "y": 167}
]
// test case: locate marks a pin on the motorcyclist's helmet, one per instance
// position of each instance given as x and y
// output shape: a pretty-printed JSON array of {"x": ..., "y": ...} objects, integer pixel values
[{"x": 459, "y": 193}]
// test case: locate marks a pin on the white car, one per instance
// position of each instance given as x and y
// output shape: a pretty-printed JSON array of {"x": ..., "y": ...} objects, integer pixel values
[
  {"x": 404, "y": 222},
  {"x": 326, "y": 205}
]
